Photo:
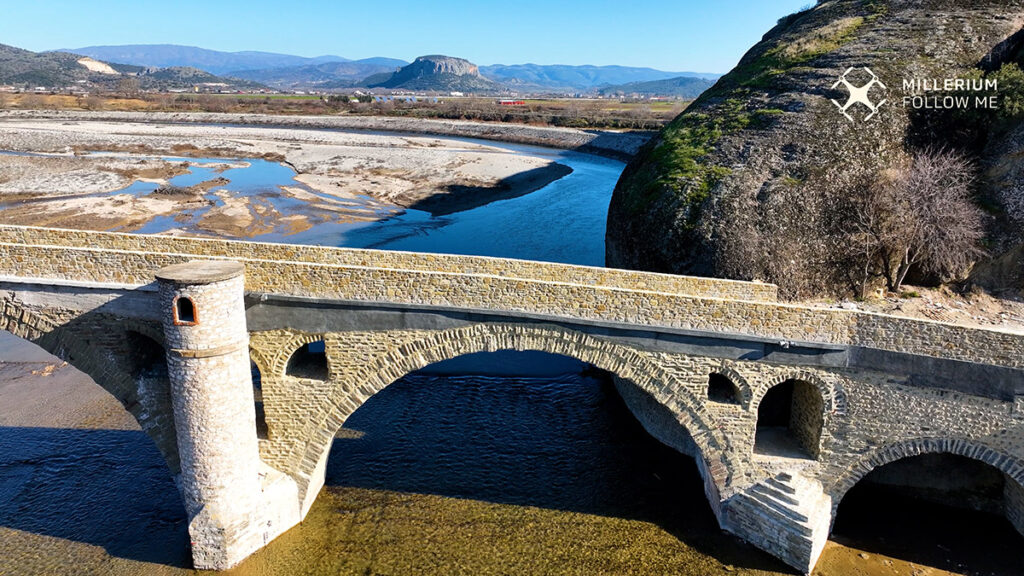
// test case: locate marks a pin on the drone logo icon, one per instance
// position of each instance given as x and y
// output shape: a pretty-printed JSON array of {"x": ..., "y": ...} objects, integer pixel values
[{"x": 859, "y": 95}]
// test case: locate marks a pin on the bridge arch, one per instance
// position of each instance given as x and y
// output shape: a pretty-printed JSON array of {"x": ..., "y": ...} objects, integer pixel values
[
  {"x": 737, "y": 381},
  {"x": 275, "y": 363},
  {"x": 715, "y": 459},
  {"x": 794, "y": 412},
  {"x": 831, "y": 389},
  {"x": 1011, "y": 466},
  {"x": 104, "y": 348}
]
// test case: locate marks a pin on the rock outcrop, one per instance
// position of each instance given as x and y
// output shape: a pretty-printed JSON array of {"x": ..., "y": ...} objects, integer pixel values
[
  {"x": 741, "y": 184},
  {"x": 441, "y": 73}
]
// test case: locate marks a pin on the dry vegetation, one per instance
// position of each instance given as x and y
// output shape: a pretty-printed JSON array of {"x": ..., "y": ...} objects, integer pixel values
[
  {"x": 570, "y": 112},
  {"x": 854, "y": 230}
]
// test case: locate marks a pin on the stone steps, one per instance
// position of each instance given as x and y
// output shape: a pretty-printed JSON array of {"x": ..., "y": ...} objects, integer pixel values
[
  {"x": 787, "y": 513},
  {"x": 781, "y": 485},
  {"x": 779, "y": 503},
  {"x": 789, "y": 497}
]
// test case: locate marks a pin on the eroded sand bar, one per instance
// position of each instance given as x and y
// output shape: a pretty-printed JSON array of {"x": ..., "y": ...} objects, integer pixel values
[{"x": 350, "y": 176}]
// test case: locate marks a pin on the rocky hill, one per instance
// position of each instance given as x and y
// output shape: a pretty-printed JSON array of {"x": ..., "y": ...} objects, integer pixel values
[
  {"x": 764, "y": 176},
  {"x": 436, "y": 73},
  {"x": 335, "y": 72},
  {"x": 61, "y": 69},
  {"x": 679, "y": 87},
  {"x": 23, "y": 67},
  {"x": 187, "y": 76},
  {"x": 327, "y": 75},
  {"x": 213, "y": 61}
]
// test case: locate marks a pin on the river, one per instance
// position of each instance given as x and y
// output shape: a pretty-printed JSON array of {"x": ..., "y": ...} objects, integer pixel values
[
  {"x": 564, "y": 221},
  {"x": 514, "y": 463}
]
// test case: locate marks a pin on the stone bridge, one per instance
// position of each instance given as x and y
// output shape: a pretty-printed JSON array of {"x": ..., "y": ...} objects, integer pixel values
[{"x": 242, "y": 361}]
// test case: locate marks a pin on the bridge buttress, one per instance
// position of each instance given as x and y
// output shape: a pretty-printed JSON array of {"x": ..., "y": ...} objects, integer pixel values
[{"x": 235, "y": 503}]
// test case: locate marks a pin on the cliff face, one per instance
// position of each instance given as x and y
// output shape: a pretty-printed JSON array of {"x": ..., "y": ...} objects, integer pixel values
[
  {"x": 439, "y": 73},
  {"x": 739, "y": 184}
]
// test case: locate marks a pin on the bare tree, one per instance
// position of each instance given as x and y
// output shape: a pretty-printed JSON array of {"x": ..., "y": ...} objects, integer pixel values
[
  {"x": 918, "y": 215},
  {"x": 33, "y": 101},
  {"x": 129, "y": 86},
  {"x": 93, "y": 103}
]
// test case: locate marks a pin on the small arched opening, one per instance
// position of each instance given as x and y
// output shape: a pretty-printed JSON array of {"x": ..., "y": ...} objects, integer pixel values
[
  {"x": 309, "y": 361},
  {"x": 262, "y": 431},
  {"x": 790, "y": 418},
  {"x": 185, "y": 311},
  {"x": 722, "y": 390},
  {"x": 938, "y": 510}
]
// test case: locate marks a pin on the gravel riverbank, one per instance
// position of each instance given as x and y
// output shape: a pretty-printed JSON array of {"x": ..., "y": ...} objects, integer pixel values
[{"x": 620, "y": 145}]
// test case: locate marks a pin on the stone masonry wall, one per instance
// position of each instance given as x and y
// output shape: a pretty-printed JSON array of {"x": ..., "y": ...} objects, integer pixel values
[
  {"x": 542, "y": 297},
  {"x": 861, "y": 411},
  {"x": 101, "y": 346},
  {"x": 688, "y": 285},
  {"x": 215, "y": 420},
  {"x": 868, "y": 418},
  {"x": 1013, "y": 502},
  {"x": 808, "y": 417}
]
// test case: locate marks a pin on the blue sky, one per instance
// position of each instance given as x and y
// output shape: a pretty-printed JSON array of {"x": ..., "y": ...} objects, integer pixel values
[{"x": 675, "y": 35}]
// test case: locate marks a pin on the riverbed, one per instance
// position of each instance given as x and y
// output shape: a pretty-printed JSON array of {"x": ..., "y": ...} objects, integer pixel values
[{"x": 309, "y": 186}]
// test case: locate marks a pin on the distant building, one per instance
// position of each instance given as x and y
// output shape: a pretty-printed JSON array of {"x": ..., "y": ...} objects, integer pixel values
[{"x": 512, "y": 102}]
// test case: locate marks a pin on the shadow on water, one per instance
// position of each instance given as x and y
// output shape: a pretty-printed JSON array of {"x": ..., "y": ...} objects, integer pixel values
[
  {"x": 562, "y": 441},
  {"x": 461, "y": 197},
  {"x": 890, "y": 522},
  {"x": 107, "y": 488}
]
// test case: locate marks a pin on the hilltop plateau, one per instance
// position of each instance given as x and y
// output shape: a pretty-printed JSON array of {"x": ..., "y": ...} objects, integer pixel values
[{"x": 436, "y": 73}]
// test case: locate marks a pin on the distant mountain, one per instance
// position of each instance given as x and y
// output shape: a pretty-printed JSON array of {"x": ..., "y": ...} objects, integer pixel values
[
  {"x": 187, "y": 76},
  {"x": 23, "y": 67},
  {"x": 436, "y": 73},
  {"x": 681, "y": 87},
  {"x": 577, "y": 78},
  {"x": 213, "y": 61},
  {"x": 322, "y": 76},
  {"x": 61, "y": 69},
  {"x": 285, "y": 71}
]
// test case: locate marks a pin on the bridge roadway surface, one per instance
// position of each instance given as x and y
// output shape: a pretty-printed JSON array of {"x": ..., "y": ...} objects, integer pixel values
[{"x": 327, "y": 328}]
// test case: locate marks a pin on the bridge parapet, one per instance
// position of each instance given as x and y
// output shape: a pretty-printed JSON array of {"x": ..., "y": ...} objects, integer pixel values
[
  {"x": 507, "y": 268},
  {"x": 489, "y": 292}
]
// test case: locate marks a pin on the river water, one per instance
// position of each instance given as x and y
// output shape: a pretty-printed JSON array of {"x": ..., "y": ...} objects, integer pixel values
[
  {"x": 508, "y": 463},
  {"x": 562, "y": 222}
]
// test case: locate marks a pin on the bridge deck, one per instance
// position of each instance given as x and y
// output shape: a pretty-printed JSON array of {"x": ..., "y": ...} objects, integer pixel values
[
  {"x": 524, "y": 269},
  {"x": 438, "y": 280}
]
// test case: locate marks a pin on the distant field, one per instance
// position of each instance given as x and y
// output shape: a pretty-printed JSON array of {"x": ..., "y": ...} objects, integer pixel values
[{"x": 567, "y": 112}]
